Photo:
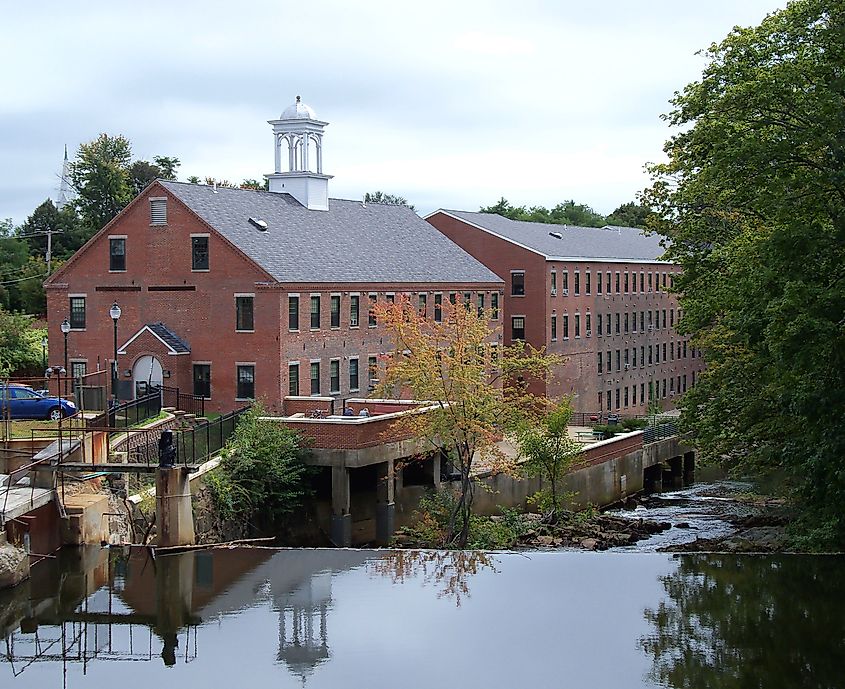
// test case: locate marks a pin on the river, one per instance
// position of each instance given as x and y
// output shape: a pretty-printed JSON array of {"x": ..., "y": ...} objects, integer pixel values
[{"x": 253, "y": 617}]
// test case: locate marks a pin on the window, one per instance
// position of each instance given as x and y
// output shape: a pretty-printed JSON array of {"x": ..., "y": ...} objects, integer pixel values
[
  {"x": 518, "y": 284},
  {"x": 554, "y": 328},
  {"x": 634, "y": 322},
  {"x": 634, "y": 357},
  {"x": 601, "y": 397},
  {"x": 422, "y": 303},
  {"x": 649, "y": 356},
  {"x": 565, "y": 327},
  {"x": 78, "y": 369},
  {"x": 617, "y": 398},
  {"x": 199, "y": 252},
  {"x": 577, "y": 325},
  {"x": 664, "y": 316},
  {"x": 626, "y": 285},
  {"x": 642, "y": 320},
  {"x": 335, "y": 310},
  {"x": 642, "y": 282},
  {"x": 598, "y": 362},
  {"x": 315, "y": 312},
  {"x": 642, "y": 355},
  {"x": 664, "y": 387},
  {"x": 664, "y": 280},
  {"x": 438, "y": 306},
  {"x": 554, "y": 282},
  {"x": 372, "y": 371},
  {"x": 618, "y": 330},
  {"x": 618, "y": 359},
  {"x": 517, "y": 327},
  {"x": 608, "y": 400},
  {"x": 371, "y": 315},
  {"x": 244, "y": 320},
  {"x": 598, "y": 283},
  {"x": 617, "y": 282},
  {"x": 649, "y": 282},
  {"x": 293, "y": 380},
  {"x": 634, "y": 390},
  {"x": 77, "y": 313},
  {"x": 634, "y": 289},
  {"x": 627, "y": 360},
  {"x": 626, "y": 322},
  {"x": 587, "y": 279},
  {"x": 453, "y": 298},
  {"x": 390, "y": 298},
  {"x": 353, "y": 374},
  {"x": 494, "y": 305},
  {"x": 565, "y": 281},
  {"x": 672, "y": 351},
  {"x": 685, "y": 382},
  {"x": 158, "y": 211},
  {"x": 117, "y": 254},
  {"x": 657, "y": 354},
  {"x": 626, "y": 395},
  {"x": 202, "y": 380},
  {"x": 293, "y": 312},
  {"x": 609, "y": 362},
  {"x": 598, "y": 323},
  {"x": 468, "y": 300},
  {"x": 671, "y": 318},
  {"x": 315, "y": 377},
  {"x": 577, "y": 283},
  {"x": 354, "y": 302},
  {"x": 642, "y": 393},
  {"x": 608, "y": 324},
  {"x": 480, "y": 304},
  {"x": 334, "y": 376},
  {"x": 685, "y": 349},
  {"x": 587, "y": 324},
  {"x": 246, "y": 381},
  {"x": 664, "y": 351},
  {"x": 607, "y": 291}
]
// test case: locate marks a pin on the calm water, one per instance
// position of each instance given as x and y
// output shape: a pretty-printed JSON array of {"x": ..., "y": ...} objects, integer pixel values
[{"x": 341, "y": 618}]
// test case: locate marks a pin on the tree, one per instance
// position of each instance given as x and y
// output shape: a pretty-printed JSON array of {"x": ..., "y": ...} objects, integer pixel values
[
  {"x": 387, "y": 199},
  {"x": 753, "y": 201},
  {"x": 566, "y": 213},
  {"x": 20, "y": 345},
  {"x": 629, "y": 214},
  {"x": 167, "y": 166},
  {"x": 70, "y": 232},
  {"x": 100, "y": 175},
  {"x": 451, "y": 363},
  {"x": 550, "y": 452},
  {"x": 262, "y": 475}
]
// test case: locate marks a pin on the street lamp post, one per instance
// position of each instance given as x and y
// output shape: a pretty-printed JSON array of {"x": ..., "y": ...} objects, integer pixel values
[
  {"x": 65, "y": 326},
  {"x": 59, "y": 371},
  {"x": 114, "y": 312},
  {"x": 44, "y": 353}
]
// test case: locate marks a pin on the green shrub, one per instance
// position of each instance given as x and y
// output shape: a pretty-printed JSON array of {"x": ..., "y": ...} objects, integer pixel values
[{"x": 634, "y": 424}]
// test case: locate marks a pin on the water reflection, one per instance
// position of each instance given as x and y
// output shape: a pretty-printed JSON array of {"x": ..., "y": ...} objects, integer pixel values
[
  {"x": 448, "y": 571},
  {"x": 749, "y": 621},
  {"x": 319, "y": 617}
]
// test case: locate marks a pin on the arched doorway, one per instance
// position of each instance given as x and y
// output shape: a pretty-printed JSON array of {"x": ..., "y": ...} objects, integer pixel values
[{"x": 146, "y": 373}]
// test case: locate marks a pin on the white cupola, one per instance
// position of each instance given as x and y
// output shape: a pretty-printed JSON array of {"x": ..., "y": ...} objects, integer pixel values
[{"x": 301, "y": 133}]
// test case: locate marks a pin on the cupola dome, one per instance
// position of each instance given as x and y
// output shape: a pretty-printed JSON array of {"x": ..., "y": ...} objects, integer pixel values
[{"x": 298, "y": 111}]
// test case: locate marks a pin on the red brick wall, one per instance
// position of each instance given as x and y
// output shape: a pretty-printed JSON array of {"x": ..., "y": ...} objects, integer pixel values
[
  {"x": 205, "y": 317},
  {"x": 578, "y": 375},
  {"x": 351, "y": 433},
  {"x": 615, "y": 447}
]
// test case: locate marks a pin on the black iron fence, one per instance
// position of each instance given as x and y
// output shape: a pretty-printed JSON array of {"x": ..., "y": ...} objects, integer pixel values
[
  {"x": 174, "y": 397},
  {"x": 196, "y": 445},
  {"x": 661, "y": 431},
  {"x": 128, "y": 414}
]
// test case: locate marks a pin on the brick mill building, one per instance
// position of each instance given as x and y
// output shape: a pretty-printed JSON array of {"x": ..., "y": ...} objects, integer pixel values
[
  {"x": 597, "y": 296},
  {"x": 235, "y": 294}
]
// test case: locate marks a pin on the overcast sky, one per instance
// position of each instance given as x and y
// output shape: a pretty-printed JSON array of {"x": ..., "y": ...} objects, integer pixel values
[{"x": 450, "y": 104}]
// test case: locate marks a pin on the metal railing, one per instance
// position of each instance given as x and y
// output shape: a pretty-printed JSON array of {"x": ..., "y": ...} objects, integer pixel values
[
  {"x": 128, "y": 414},
  {"x": 174, "y": 397},
  {"x": 661, "y": 431},
  {"x": 196, "y": 445}
]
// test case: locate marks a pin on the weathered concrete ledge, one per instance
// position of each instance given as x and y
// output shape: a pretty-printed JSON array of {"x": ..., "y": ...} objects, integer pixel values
[{"x": 14, "y": 564}]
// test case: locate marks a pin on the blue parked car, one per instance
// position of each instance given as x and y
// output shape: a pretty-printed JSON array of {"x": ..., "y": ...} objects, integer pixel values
[{"x": 25, "y": 403}]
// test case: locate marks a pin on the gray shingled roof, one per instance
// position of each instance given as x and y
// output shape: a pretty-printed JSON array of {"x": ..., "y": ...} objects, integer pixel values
[
  {"x": 616, "y": 243},
  {"x": 176, "y": 343},
  {"x": 348, "y": 243}
]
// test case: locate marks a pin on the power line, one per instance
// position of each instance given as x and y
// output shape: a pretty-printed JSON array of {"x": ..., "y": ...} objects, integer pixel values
[{"x": 12, "y": 282}]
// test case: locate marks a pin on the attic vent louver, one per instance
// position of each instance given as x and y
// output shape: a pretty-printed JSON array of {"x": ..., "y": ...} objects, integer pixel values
[
  {"x": 260, "y": 224},
  {"x": 556, "y": 235}
]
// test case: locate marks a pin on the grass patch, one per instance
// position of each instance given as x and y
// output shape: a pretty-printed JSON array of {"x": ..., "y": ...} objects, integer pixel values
[{"x": 23, "y": 429}]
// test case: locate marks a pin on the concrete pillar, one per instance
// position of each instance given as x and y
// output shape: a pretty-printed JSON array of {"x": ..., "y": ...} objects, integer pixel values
[
  {"x": 435, "y": 469},
  {"x": 689, "y": 468},
  {"x": 676, "y": 466},
  {"x": 341, "y": 528},
  {"x": 385, "y": 503},
  {"x": 174, "y": 515}
]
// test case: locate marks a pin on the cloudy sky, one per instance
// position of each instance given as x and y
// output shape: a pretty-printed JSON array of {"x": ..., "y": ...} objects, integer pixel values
[{"x": 451, "y": 104}]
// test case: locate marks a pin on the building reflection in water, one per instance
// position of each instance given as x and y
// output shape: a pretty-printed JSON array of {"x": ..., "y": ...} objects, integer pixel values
[{"x": 95, "y": 604}]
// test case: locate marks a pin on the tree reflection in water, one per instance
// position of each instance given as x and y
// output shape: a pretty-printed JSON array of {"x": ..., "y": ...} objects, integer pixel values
[
  {"x": 448, "y": 570},
  {"x": 750, "y": 621}
]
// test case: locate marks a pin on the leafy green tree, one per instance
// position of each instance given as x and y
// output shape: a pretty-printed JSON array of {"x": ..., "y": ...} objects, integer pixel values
[
  {"x": 753, "y": 201},
  {"x": 20, "y": 345},
  {"x": 629, "y": 214},
  {"x": 100, "y": 175},
  {"x": 566, "y": 213},
  {"x": 387, "y": 199},
  {"x": 70, "y": 232},
  {"x": 255, "y": 184},
  {"x": 167, "y": 166},
  {"x": 549, "y": 453},
  {"x": 262, "y": 476}
]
